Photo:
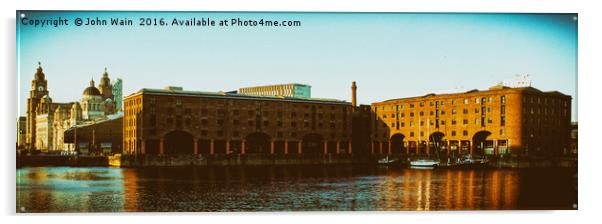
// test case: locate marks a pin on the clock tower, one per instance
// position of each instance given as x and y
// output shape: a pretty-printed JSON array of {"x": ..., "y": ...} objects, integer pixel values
[{"x": 39, "y": 88}]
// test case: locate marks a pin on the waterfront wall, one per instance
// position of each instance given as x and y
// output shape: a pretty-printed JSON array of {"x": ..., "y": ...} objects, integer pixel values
[
  {"x": 258, "y": 160},
  {"x": 227, "y": 160},
  {"x": 44, "y": 160}
]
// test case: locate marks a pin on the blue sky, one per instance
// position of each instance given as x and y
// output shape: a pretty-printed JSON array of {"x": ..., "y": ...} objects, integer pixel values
[{"x": 389, "y": 55}]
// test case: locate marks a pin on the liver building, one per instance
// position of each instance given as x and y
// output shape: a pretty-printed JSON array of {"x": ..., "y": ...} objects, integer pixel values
[{"x": 47, "y": 120}]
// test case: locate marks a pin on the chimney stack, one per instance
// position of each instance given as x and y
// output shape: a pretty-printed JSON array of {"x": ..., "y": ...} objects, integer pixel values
[{"x": 353, "y": 95}]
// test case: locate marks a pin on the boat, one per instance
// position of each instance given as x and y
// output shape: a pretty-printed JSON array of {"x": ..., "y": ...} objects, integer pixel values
[
  {"x": 424, "y": 163},
  {"x": 386, "y": 161},
  {"x": 467, "y": 161}
]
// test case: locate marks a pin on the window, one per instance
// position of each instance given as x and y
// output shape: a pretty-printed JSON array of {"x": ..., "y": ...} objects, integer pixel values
[
  {"x": 465, "y": 101},
  {"x": 465, "y": 111},
  {"x": 402, "y": 124},
  {"x": 442, "y": 122},
  {"x": 421, "y": 123},
  {"x": 465, "y": 133},
  {"x": 412, "y": 134},
  {"x": 476, "y": 110},
  {"x": 402, "y": 115},
  {"x": 421, "y": 113},
  {"x": 453, "y": 133},
  {"x": 477, "y": 121},
  {"x": 453, "y": 122},
  {"x": 411, "y": 124},
  {"x": 411, "y": 105},
  {"x": 489, "y": 120},
  {"x": 477, "y": 100},
  {"x": 503, "y": 100},
  {"x": 431, "y": 113},
  {"x": 422, "y": 133},
  {"x": 502, "y": 121},
  {"x": 421, "y": 104},
  {"x": 465, "y": 121},
  {"x": 411, "y": 114},
  {"x": 453, "y": 111}
]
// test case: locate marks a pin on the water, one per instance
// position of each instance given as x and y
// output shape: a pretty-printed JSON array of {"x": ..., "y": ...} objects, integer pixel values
[{"x": 291, "y": 188}]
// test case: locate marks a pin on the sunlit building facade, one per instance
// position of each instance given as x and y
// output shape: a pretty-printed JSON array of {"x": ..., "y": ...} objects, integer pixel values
[{"x": 497, "y": 121}]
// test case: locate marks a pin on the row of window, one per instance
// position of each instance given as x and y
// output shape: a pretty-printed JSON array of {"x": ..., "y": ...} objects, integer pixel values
[
  {"x": 477, "y": 100},
  {"x": 442, "y": 122},
  {"x": 205, "y": 122},
  {"x": 442, "y": 112},
  {"x": 452, "y": 133},
  {"x": 221, "y": 133},
  {"x": 241, "y": 104}
]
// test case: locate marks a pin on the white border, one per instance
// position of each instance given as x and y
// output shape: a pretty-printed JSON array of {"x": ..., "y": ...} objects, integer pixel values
[{"x": 589, "y": 70}]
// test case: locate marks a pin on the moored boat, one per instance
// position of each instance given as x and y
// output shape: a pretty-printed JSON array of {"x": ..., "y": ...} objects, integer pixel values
[{"x": 424, "y": 163}]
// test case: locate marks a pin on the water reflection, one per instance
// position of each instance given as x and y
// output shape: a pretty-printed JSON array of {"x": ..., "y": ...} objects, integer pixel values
[{"x": 333, "y": 188}]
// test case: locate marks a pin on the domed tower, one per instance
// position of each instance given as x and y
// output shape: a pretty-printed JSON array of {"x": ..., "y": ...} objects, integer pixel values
[
  {"x": 92, "y": 103},
  {"x": 38, "y": 90},
  {"x": 106, "y": 89}
]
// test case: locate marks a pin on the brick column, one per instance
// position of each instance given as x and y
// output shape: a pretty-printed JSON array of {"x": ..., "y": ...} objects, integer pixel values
[
  {"x": 380, "y": 145},
  {"x": 227, "y": 147},
  {"x": 389, "y": 146},
  {"x": 161, "y": 149},
  {"x": 143, "y": 146},
  {"x": 196, "y": 146},
  {"x": 448, "y": 147},
  {"x": 428, "y": 148},
  {"x": 495, "y": 147},
  {"x": 242, "y": 147},
  {"x": 285, "y": 147},
  {"x": 300, "y": 149},
  {"x": 407, "y": 147},
  {"x": 211, "y": 147},
  {"x": 338, "y": 147},
  {"x": 372, "y": 147},
  {"x": 350, "y": 147},
  {"x": 271, "y": 147},
  {"x": 471, "y": 148}
]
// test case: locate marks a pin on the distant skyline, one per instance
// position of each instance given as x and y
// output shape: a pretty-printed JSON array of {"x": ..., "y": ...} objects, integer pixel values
[{"x": 389, "y": 55}]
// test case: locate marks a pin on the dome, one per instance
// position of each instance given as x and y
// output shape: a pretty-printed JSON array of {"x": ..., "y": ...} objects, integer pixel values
[{"x": 91, "y": 90}]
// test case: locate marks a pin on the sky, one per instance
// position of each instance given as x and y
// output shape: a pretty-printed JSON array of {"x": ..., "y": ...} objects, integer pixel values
[{"x": 389, "y": 55}]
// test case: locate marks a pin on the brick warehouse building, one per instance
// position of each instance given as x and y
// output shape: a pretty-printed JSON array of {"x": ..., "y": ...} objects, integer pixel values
[
  {"x": 175, "y": 121},
  {"x": 500, "y": 120}
]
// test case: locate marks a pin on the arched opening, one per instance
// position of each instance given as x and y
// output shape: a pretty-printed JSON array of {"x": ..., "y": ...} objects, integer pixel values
[
  {"x": 313, "y": 144},
  {"x": 436, "y": 142},
  {"x": 257, "y": 142},
  {"x": 481, "y": 145},
  {"x": 178, "y": 142},
  {"x": 397, "y": 144}
]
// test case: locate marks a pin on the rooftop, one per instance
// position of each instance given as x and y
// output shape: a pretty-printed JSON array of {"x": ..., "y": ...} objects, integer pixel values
[
  {"x": 496, "y": 88},
  {"x": 178, "y": 91}
]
